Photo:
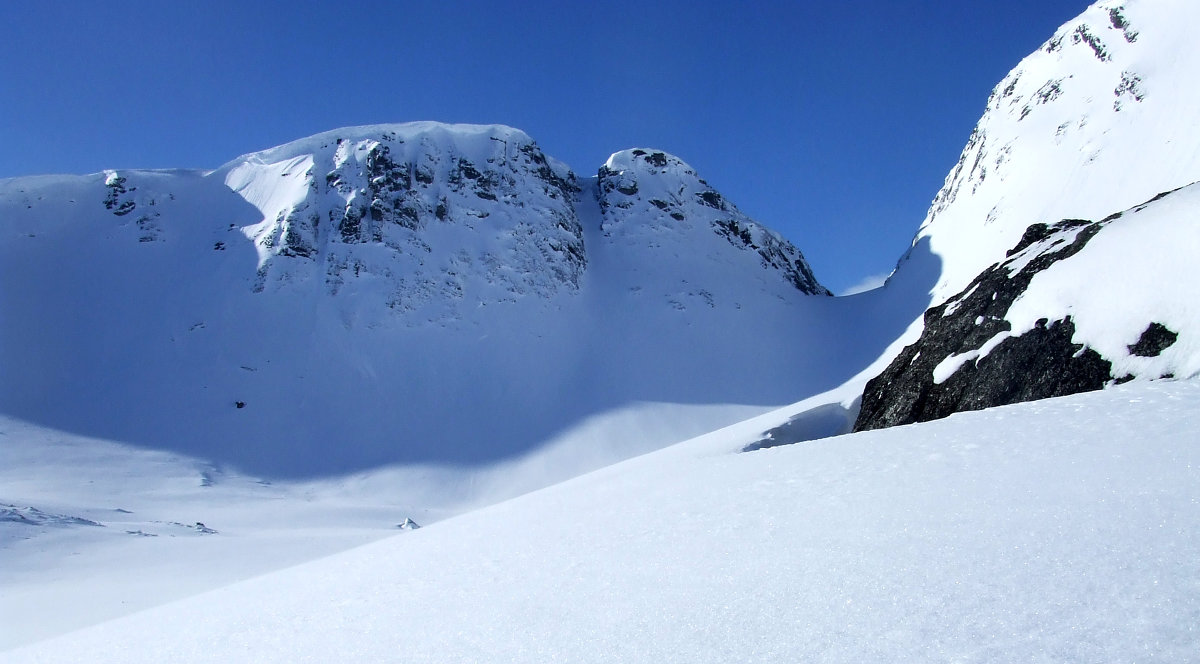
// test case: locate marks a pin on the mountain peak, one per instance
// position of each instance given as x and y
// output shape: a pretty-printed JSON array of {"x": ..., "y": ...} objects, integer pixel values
[
  {"x": 647, "y": 196},
  {"x": 648, "y": 159},
  {"x": 474, "y": 140}
]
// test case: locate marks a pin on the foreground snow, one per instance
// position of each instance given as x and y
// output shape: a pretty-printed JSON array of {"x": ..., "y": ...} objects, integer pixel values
[
  {"x": 1060, "y": 530},
  {"x": 92, "y": 530}
]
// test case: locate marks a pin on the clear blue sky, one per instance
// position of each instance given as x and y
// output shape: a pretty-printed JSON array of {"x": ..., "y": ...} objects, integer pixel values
[{"x": 832, "y": 122}]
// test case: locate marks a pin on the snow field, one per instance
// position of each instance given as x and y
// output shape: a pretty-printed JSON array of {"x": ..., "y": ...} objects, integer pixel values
[{"x": 1060, "y": 530}]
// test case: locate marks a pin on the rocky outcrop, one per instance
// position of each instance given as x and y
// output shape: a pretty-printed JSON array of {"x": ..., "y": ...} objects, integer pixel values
[{"x": 970, "y": 357}]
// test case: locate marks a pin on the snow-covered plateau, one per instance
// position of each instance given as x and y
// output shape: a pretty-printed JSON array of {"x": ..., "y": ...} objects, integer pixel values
[{"x": 420, "y": 392}]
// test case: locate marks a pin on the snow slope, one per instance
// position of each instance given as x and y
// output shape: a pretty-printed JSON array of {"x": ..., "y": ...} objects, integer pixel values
[
  {"x": 91, "y": 529},
  {"x": 1061, "y": 530},
  {"x": 1096, "y": 133},
  {"x": 1101, "y": 118},
  {"x": 212, "y": 375}
]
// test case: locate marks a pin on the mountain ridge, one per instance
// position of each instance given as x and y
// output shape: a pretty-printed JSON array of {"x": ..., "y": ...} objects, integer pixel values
[{"x": 350, "y": 294}]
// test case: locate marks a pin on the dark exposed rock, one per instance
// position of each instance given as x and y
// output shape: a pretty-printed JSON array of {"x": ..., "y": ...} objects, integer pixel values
[
  {"x": 1039, "y": 232},
  {"x": 734, "y": 232},
  {"x": 1154, "y": 341},
  {"x": 468, "y": 170},
  {"x": 1118, "y": 20},
  {"x": 1085, "y": 35},
  {"x": 1130, "y": 87},
  {"x": 657, "y": 159},
  {"x": 712, "y": 199},
  {"x": 1041, "y": 363},
  {"x": 774, "y": 252}
]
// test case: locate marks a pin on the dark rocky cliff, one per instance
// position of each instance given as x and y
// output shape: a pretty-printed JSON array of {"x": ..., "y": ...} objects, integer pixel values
[{"x": 967, "y": 357}]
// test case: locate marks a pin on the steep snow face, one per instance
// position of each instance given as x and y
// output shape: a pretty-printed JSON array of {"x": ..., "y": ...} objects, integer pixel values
[
  {"x": 1101, "y": 118},
  {"x": 653, "y": 200},
  {"x": 438, "y": 218}
]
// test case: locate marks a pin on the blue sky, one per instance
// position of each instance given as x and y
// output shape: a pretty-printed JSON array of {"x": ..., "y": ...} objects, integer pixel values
[{"x": 831, "y": 122}]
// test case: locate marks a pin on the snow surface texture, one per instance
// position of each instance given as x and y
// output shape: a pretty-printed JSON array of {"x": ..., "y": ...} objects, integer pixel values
[
  {"x": 93, "y": 529},
  {"x": 1060, "y": 530},
  {"x": 1101, "y": 118}
]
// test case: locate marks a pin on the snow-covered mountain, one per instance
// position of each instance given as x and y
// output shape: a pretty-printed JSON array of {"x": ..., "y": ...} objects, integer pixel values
[
  {"x": 1099, "y": 119},
  {"x": 334, "y": 303},
  {"x": 211, "y": 376},
  {"x": 649, "y": 199},
  {"x": 1064, "y": 237},
  {"x": 434, "y": 219}
]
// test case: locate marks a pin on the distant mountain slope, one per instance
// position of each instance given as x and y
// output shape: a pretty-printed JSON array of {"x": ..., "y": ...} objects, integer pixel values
[
  {"x": 338, "y": 303},
  {"x": 649, "y": 198}
]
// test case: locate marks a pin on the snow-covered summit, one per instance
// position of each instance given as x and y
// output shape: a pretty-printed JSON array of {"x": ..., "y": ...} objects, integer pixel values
[
  {"x": 472, "y": 140},
  {"x": 1101, "y": 118},
  {"x": 431, "y": 215}
]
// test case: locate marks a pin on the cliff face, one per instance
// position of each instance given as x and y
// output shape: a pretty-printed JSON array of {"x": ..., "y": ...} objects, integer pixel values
[{"x": 439, "y": 217}]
